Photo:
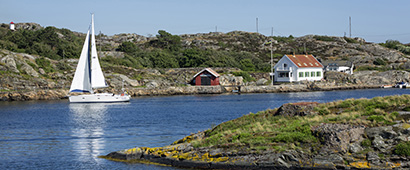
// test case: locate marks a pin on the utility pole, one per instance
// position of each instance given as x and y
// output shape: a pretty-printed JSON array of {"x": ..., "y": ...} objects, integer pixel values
[
  {"x": 257, "y": 25},
  {"x": 216, "y": 28},
  {"x": 271, "y": 60},
  {"x": 271, "y": 33},
  {"x": 350, "y": 27}
]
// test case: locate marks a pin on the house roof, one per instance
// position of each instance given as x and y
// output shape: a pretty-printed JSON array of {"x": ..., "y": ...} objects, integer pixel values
[
  {"x": 214, "y": 73},
  {"x": 303, "y": 61}
]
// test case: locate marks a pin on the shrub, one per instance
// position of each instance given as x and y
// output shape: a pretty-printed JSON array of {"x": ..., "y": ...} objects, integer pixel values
[
  {"x": 379, "y": 61},
  {"x": 245, "y": 75},
  {"x": 44, "y": 64},
  {"x": 366, "y": 143},
  {"x": 377, "y": 118},
  {"x": 350, "y": 40},
  {"x": 127, "y": 47},
  {"x": 403, "y": 149},
  {"x": 323, "y": 38},
  {"x": 247, "y": 65},
  {"x": 322, "y": 110}
]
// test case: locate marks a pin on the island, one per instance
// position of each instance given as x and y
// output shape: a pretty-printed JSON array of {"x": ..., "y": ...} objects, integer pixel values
[{"x": 349, "y": 134}]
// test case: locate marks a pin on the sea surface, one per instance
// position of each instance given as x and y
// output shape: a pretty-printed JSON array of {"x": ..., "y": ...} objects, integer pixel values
[{"x": 63, "y": 135}]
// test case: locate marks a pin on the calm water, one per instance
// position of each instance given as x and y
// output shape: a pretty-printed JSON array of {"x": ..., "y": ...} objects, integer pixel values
[{"x": 60, "y": 135}]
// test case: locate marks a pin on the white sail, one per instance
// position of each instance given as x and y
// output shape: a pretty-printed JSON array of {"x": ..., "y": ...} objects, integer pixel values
[
  {"x": 97, "y": 77},
  {"x": 81, "y": 81}
]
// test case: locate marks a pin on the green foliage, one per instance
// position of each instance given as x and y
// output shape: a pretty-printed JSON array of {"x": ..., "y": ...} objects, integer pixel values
[
  {"x": 322, "y": 110},
  {"x": 284, "y": 39},
  {"x": 377, "y": 118},
  {"x": 192, "y": 57},
  {"x": 379, "y": 61},
  {"x": 247, "y": 65},
  {"x": 403, "y": 149},
  {"x": 44, "y": 64},
  {"x": 128, "y": 47},
  {"x": 394, "y": 44},
  {"x": 168, "y": 41},
  {"x": 63, "y": 66},
  {"x": 350, "y": 40},
  {"x": 245, "y": 75},
  {"x": 407, "y": 109},
  {"x": 365, "y": 68},
  {"x": 295, "y": 131},
  {"x": 366, "y": 143},
  {"x": 49, "y": 42},
  {"x": 163, "y": 60},
  {"x": 323, "y": 38}
]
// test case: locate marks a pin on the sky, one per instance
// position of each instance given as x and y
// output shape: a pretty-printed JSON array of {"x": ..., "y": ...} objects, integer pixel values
[{"x": 373, "y": 20}]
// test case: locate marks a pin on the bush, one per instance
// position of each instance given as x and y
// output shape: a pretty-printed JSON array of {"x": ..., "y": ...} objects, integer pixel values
[
  {"x": 366, "y": 143},
  {"x": 377, "y": 118},
  {"x": 247, "y": 65},
  {"x": 245, "y": 75},
  {"x": 128, "y": 47},
  {"x": 323, "y": 38},
  {"x": 350, "y": 40},
  {"x": 44, "y": 64},
  {"x": 403, "y": 149},
  {"x": 379, "y": 61}
]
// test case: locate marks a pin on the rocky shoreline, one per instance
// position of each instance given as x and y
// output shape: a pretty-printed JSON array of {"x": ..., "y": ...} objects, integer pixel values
[{"x": 56, "y": 94}]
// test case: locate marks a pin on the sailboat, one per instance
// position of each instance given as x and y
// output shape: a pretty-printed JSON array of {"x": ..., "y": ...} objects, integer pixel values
[{"x": 88, "y": 75}]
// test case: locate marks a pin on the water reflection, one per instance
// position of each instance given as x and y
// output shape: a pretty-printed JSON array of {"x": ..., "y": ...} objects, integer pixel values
[{"x": 88, "y": 129}]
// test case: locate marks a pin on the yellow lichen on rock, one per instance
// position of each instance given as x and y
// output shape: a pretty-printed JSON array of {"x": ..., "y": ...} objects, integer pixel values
[
  {"x": 393, "y": 165},
  {"x": 187, "y": 139},
  {"x": 360, "y": 164}
]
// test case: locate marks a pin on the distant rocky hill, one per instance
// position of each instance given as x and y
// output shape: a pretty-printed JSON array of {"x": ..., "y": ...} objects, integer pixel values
[{"x": 228, "y": 53}]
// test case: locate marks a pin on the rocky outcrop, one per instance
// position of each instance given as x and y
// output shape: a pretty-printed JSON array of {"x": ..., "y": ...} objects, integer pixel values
[
  {"x": 339, "y": 137},
  {"x": 296, "y": 109},
  {"x": 381, "y": 78}
]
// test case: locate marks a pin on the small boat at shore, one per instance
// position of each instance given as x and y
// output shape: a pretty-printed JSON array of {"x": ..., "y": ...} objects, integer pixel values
[
  {"x": 401, "y": 85},
  {"x": 88, "y": 75},
  {"x": 387, "y": 86}
]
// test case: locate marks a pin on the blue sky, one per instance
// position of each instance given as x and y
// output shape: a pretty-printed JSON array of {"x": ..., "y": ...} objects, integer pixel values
[{"x": 373, "y": 20}]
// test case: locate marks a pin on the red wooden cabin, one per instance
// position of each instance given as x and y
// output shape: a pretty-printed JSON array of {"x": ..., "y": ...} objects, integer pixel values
[{"x": 206, "y": 77}]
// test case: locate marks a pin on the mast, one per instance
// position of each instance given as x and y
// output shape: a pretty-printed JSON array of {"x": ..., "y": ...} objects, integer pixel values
[{"x": 97, "y": 76}]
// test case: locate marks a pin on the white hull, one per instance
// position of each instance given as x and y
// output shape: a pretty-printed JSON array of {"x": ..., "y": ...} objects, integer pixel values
[{"x": 99, "y": 98}]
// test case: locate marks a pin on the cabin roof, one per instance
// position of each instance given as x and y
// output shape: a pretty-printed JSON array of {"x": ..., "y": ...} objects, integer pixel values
[{"x": 214, "y": 73}]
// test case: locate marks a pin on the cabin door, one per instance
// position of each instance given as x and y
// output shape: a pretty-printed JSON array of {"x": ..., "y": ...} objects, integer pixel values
[{"x": 205, "y": 80}]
